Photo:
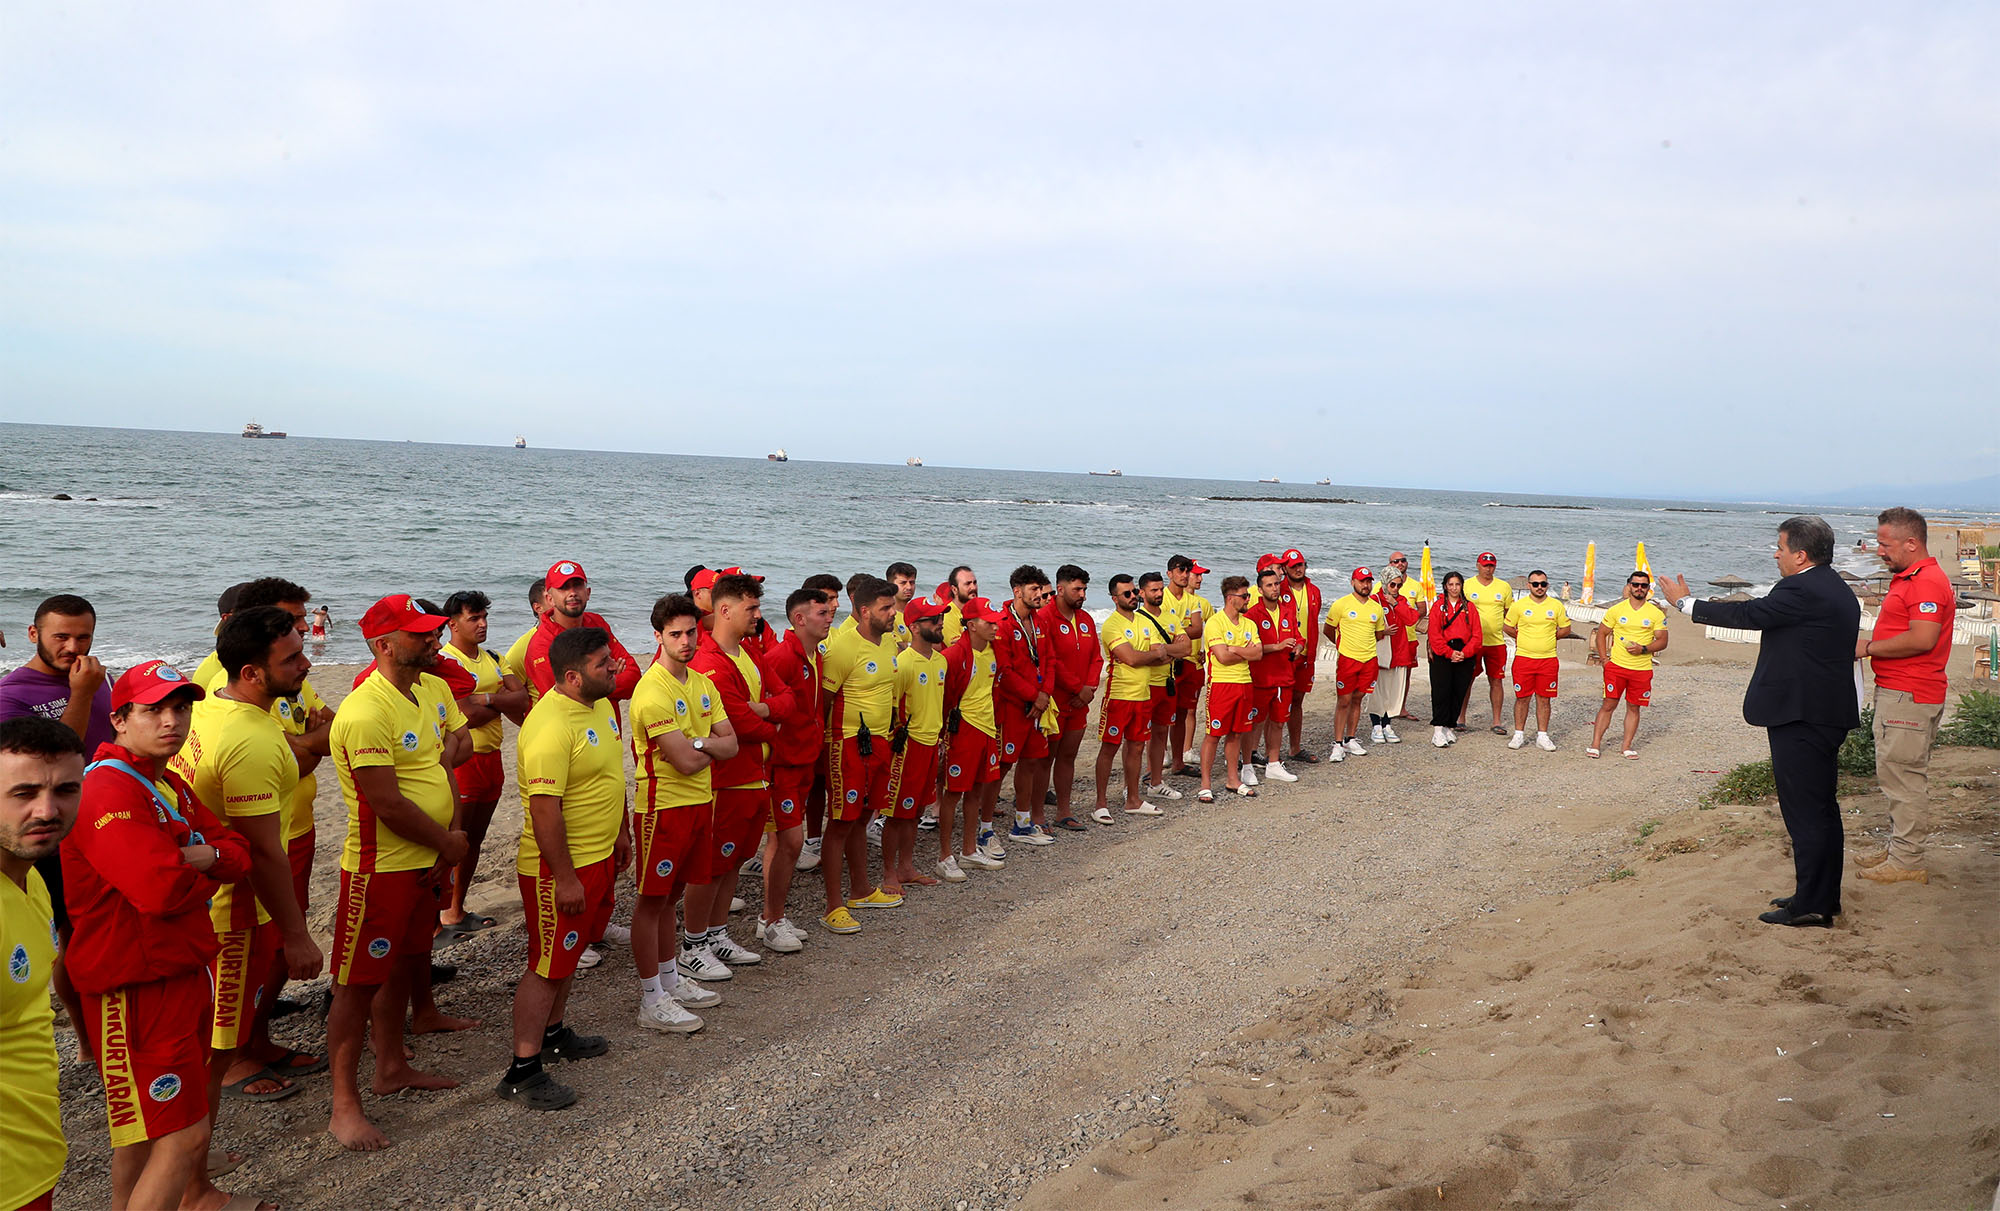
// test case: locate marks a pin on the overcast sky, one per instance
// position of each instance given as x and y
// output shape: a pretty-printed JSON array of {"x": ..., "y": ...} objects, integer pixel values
[{"x": 1730, "y": 249}]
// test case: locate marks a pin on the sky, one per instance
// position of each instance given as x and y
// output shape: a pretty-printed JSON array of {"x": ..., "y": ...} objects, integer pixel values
[{"x": 1702, "y": 249}]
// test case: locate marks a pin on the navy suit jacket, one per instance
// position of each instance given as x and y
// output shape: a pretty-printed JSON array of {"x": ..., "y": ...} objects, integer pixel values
[{"x": 1805, "y": 665}]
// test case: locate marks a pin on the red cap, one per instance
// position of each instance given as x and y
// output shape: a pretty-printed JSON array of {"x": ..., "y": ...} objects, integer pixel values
[
  {"x": 1198, "y": 570},
  {"x": 1486, "y": 557},
  {"x": 150, "y": 682},
  {"x": 400, "y": 612},
  {"x": 1266, "y": 562},
  {"x": 1362, "y": 574},
  {"x": 1292, "y": 556},
  {"x": 980, "y": 609},
  {"x": 921, "y": 608},
  {"x": 560, "y": 573},
  {"x": 706, "y": 578}
]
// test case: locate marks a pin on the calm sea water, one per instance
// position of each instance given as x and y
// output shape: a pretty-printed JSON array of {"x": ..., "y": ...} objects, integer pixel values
[{"x": 180, "y": 516}]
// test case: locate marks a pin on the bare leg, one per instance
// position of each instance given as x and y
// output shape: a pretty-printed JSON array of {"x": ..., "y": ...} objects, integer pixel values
[
  {"x": 473, "y": 818},
  {"x": 1605, "y": 709},
  {"x": 169, "y": 1172},
  {"x": 1631, "y": 726},
  {"x": 833, "y": 855},
  {"x": 1063, "y": 774},
  {"x": 647, "y": 916},
  {"x": 1135, "y": 791},
  {"x": 392, "y": 1071},
  {"x": 699, "y": 904},
  {"x": 1495, "y": 691},
  {"x": 1106, "y": 753},
  {"x": 725, "y": 893},
  {"x": 538, "y": 1003},
  {"x": 344, "y": 1026},
  {"x": 857, "y": 863}
]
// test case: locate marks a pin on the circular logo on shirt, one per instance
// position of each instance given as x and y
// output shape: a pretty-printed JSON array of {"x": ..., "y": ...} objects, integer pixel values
[
  {"x": 55, "y": 939},
  {"x": 923, "y": 678},
  {"x": 441, "y": 713},
  {"x": 1063, "y": 627},
  {"x": 379, "y": 948},
  {"x": 664, "y": 867},
  {"x": 409, "y": 742},
  {"x": 1083, "y": 628},
  {"x": 680, "y": 706},
  {"x": 284, "y": 708},
  {"x": 165, "y": 1087},
  {"x": 569, "y": 940},
  {"x": 18, "y": 966},
  {"x": 728, "y": 848},
  {"x": 168, "y": 672},
  {"x": 871, "y": 667},
  {"x": 854, "y": 796},
  {"x": 590, "y": 735},
  {"x": 706, "y": 702}
]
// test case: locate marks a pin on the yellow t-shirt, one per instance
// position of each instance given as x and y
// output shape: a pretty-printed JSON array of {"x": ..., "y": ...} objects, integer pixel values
[
  {"x": 1355, "y": 620},
  {"x": 571, "y": 751},
  {"x": 954, "y": 624},
  {"x": 378, "y": 726},
  {"x": 920, "y": 687},
  {"x": 864, "y": 675},
  {"x": 1175, "y": 610},
  {"x": 208, "y": 674},
  {"x": 1128, "y": 683},
  {"x": 1156, "y": 675},
  {"x": 660, "y": 705},
  {"x": 976, "y": 706},
  {"x": 1636, "y": 626},
  {"x": 294, "y": 716},
  {"x": 1535, "y": 626},
  {"x": 1492, "y": 601},
  {"x": 31, "y": 1136},
  {"x": 516, "y": 662},
  {"x": 1239, "y": 634},
  {"x": 239, "y": 765},
  {"x": 485, "y": 672}
]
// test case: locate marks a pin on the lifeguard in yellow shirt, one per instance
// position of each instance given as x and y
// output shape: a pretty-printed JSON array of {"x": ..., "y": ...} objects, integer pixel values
[
  {"x": 1534, "y": 623},
  {"x": 1354, "y": 623}
]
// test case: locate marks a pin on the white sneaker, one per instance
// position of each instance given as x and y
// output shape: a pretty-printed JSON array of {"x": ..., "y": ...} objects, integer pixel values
[
  {"x": 948, "y": 871},
  {"x": 1355, "y": 746},
  {"x": 875, "y": 832},
  {"x": 928, "y": 821},
  {"x": 1439, "y": 737},
  {"x": 1375, "y": 735},
  {"x": 687, "y": 992},
  {"x": 1034, "y": 837},
  {"x": 590, "y": 958},
  {"x": 1277, "y": 772},
  {"x": 1517, "y": 740},
  {"x": 696, "y": 963},
  {"x": 978, "y": 860},
  {"x": 1543, "y": 742},
  {"x": 798, "y": 935},
  {"x": 808, "y": 855},
  {"x": 618, "y": 935},
  {"x": 1337, "y": 754},
  {"x": 729, "y": 951},
  {"x": 1389, "y": 735},
  {"x": 1191, "y": 757},
  {"x": 1162, "y": 791},
  {"x": 990, "y": 846},
  {"x": 754, "y": 866},
  {"x": 738, "y": 904},
  {"x": 1247, "y": 774},
  {"x": 774, "y": 935},
  {"x": 666, "y": 1015}
]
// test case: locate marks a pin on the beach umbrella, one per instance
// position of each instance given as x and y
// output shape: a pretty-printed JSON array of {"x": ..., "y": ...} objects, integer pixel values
[
  {"x": 1639, "y": 563},
  {"x": 1424, "y": 580},
  {"x": 1589, "y": 574},
  {"x": 1730, "y": 582}
]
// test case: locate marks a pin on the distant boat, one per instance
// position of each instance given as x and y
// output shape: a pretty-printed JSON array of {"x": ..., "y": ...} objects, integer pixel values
[
  {"x": 778, "y": 456},
  {"x": 1272, "y": 480},
  {"x": 1324, "y": 483},
  {"x": 520, "y": 443},
  {"x": 913, "y": 461},
  {"x": 253, "y": 429},
  {"x": 1113, "y": 472}
]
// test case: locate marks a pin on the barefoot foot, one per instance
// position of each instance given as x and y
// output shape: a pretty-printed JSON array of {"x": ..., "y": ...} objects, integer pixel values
[
  {"x": 439, "y": 1022},
  {"x": 391, "y": 1080},
  {"x": 355, "y": 1132}
]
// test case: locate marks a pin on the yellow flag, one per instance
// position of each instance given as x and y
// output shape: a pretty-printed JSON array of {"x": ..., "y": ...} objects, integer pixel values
[
  {"x": 1639, "y": 563},
  {"x": 1589, "y": 574},
  {"x": 1424, "y": 580}
]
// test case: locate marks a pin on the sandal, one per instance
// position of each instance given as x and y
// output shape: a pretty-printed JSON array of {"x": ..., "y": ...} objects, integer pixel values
[
  {"x": 1204, "y": 795},
  {"x": 221, "y": 1161},
  {"x": 1246, "y": 790},
  {"x": 1498, "y": 731},
  {"x": 1072, "y": 824},
  {"x": 1591, "y": 752},
  {"x": 241, "y": 1089},
  {"x": 1631, "y": 754},
  {"x": 287, "y": 1064}
]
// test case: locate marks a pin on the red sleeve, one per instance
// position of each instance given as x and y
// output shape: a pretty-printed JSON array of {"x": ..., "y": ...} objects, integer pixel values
[
  {"x": 362, "y": 676},
  {"x": 628, "y": 678},
  {"x": 1437, "y": 635},
  {"x": 1020, "y": 680},
  {"x": 537, "y": 660},
  {"x": 720, "y": 669},
  {"x": 456, "y": 677},
  {"x": 121, "y": 836},
  {"x": 1096, "y": 649},
  {"x": 957, "y": 672},
  {"x": 232, "y": 851}
]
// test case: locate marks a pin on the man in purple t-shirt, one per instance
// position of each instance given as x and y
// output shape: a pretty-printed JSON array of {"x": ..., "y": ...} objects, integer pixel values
[{"x": 64, "y": 682}]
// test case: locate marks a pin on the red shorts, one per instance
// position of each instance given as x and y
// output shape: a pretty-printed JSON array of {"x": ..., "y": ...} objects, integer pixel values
[
  {"x": 1187, "y": 688},
  {"x": 151, "y": 1044},
  {"x": 912, "y": 779},
  {"x": 1303, "y": 675},
  {"x": 1072, "y": 718},
  {"x": 237, "y": 974},
  {"x": 1270, "y": 702},
  {"x": 1351, "y": 676},
  {"x": 381, "y": 917},
  {"x": 1124, "y": 720},
  {"x": 791, "y": 786},
  {"x": 670, "y": 848},
  {"x": 1228, "y": 708},
  {"x": 973, "y": 759},
  {"x": 300, "y": 850},
  {"x": 555, "y": 938},
  {"x": 1494, "y": 657},
  {"x": 1021, "y": 738},
  {"x": 1633, "y": 685},
  {"x": 1535, "y": 676},
  {"x": 857, "y": 785},
  {"x": 1163, "y": 704},
  {"x": 740, "y": 813},
  {"x": 481, "y": 779}
]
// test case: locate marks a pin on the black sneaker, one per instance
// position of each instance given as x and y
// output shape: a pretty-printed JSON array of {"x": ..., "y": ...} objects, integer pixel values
[
  {"x": 538, "y": 1092},
  {"x": 569, "y": 1045},
  {"x": 1256, "y": 759}
]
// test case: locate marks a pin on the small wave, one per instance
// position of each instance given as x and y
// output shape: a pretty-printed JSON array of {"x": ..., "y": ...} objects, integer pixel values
[{"x": 110, "y": 503}]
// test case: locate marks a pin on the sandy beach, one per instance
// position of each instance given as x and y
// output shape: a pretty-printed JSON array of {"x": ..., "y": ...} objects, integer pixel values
[{"x": 1470, "y": 977}]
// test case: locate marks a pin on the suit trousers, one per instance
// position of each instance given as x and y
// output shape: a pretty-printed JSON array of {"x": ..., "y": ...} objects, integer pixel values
[{"x": 1804, "y": 767}]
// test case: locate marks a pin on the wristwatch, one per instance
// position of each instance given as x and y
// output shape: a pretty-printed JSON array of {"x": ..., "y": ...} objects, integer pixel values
[{"x": 701, "y": 745}]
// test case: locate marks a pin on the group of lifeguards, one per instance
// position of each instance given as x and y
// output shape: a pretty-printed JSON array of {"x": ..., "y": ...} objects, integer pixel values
[{"x": 187, "y": 876}]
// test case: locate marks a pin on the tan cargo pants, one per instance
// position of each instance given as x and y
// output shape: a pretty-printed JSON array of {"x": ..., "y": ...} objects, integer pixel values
[{"x": 1905, "y": 729}]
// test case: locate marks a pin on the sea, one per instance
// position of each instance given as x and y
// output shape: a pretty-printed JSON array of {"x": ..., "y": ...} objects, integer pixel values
[{"x": 159, "y": 522}]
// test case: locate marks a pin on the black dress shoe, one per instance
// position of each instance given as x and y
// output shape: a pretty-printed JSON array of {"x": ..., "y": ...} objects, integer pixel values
[
  {"x": 1782, "y": 902},
  {"x": 1785, "y": 916}
]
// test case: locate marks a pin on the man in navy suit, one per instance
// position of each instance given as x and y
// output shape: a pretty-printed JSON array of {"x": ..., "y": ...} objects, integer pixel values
[{"x": 1802, "y": 693}]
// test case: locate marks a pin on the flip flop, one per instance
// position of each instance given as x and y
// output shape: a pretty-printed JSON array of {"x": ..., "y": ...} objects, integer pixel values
[
  {"x": 1498, "y": 731},
  {"x": 288, "y": 1063},
  {"x": 471, "y": 922},
  {"x": 220, "y": 1162},
  {"x": 1072, "y": 824},
  {"x": 1184, "y": 770},
  {"x": 240, "y": 1089}
]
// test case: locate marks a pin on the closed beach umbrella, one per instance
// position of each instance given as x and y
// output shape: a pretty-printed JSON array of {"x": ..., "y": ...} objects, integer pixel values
[
  {"x": 1589, "y": 574},
  {"x": 1424, "y": 580},
  {"x": 1639, "y": 563}
]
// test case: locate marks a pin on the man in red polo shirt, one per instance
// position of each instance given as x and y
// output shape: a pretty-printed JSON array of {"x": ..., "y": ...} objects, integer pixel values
[
  {"x": 1300, "y": 598},
  {"x": 1021, "y": 700},
  {"x": 1075, "y": 661},
  {"x": 1271, "y": 676},
  {"x": 568, "y": 594},
  {"x": 1908, "y": 649}
]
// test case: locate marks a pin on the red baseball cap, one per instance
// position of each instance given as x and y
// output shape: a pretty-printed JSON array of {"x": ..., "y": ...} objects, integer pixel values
[
  {"x": 149, "y": 682},
  {"x": 706, "y": 578},
  {"x": 1197, "y": 569},
  {"x": 400, "y": 612},
  {"x": 1362, "y": 574},
  {"x": 921, "y": 608},
  {"x": 1266, "y": 562},
  {"x": 1486, "y": 557},
  {"x": 1292, "y": 556},
  {"x": 980, "y": 609},
  {"x": 561, "y": 573}
]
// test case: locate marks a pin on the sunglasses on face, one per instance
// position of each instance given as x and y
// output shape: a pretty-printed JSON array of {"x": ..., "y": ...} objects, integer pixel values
[
  {"x": 1538, "y": 584},
  {"x": 1401, "y": 563},
  {"x": 1128, "y": 593}
]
